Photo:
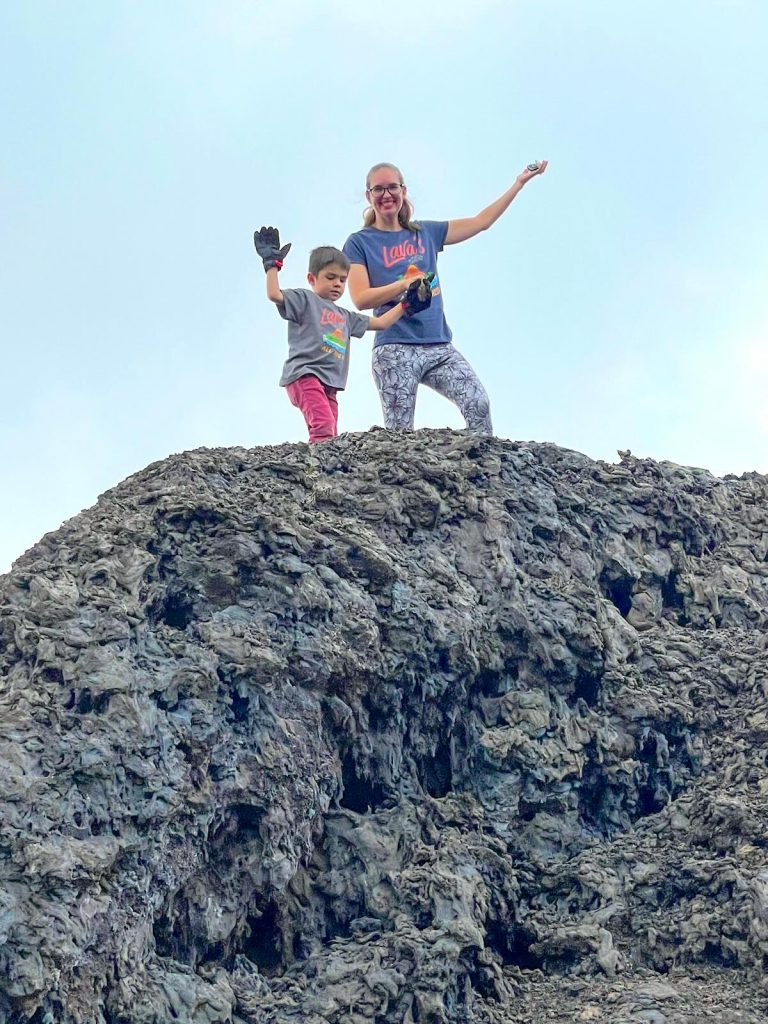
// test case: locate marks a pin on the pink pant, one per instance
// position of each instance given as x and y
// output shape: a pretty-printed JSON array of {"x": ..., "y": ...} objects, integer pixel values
[{"x": 318, "y": 406}]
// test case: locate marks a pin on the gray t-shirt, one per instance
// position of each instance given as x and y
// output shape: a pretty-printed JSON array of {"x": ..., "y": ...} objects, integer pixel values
[{"x": 318, "y": 337}]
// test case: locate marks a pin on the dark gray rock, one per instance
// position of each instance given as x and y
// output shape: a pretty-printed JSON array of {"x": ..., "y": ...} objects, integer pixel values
[{"x": 422, "y": 728}]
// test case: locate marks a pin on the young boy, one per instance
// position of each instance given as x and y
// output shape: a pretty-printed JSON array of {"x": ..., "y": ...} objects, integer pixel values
[{"x": 319, "y": 330}]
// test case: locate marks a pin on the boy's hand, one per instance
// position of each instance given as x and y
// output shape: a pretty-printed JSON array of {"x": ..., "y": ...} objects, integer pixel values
[
  {"x": 418, "y": 296},
  {"x": 267, "y": 242}
]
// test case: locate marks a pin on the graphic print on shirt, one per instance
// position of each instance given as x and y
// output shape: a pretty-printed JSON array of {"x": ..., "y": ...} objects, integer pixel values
[
  {"x": 336, "y": 343},
  {"x": 414, "y": 271},
  {"x": 413, "y": 252}
]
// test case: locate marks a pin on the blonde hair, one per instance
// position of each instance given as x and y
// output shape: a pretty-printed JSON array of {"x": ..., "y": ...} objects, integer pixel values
[{"x": 404, "y": 214}]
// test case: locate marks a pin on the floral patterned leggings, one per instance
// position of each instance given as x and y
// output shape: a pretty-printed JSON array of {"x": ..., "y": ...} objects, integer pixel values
[{"x": 399, "y": 369}]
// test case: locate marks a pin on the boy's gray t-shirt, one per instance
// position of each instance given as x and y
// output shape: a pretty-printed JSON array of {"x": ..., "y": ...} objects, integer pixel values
[{"x": 318, "y": 337}]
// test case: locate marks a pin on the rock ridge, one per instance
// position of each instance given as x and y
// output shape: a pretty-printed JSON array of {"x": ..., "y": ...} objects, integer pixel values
[{"x": 418, "y": 728}]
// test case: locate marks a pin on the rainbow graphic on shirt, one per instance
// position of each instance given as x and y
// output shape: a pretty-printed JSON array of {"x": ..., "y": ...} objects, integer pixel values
[
  {"x": 336, "y": 341},
  {"x": 414, "y": 271}
]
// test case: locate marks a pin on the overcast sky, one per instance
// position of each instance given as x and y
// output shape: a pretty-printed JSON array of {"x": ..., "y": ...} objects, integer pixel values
[{"x": 620, "y": 303}]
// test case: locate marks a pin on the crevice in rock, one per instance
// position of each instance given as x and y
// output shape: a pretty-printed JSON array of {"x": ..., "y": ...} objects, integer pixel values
[
  {"x": 180, "y": 932},
  {"x": 240, "y": 705},
  {"x": 618, "y": 590},
  {"x": 171, "y": 931},
  {"x": 43, "y": 1014},
  {"x": 489, "y": 683},
  {"x": 482, "y": 980},
  {"x": 200, "y": 519},
  {"x": 359, "y": 793},
  {"x": 336, "y": 925},
  {"x": 586, "y": 686},
  {"x": 436, "y": 771},
  {"x": 52, "y": 674},
  {"x": 527, "y": 810},
  {"x": 424, "y": 919},
  {"x": 672, "y": 598},
  {"x": 714, "y": 953},
  {"x": 87, "y": 703},
  {"x": 379, "y": 718},
  {"x": 664, "y": 771},
  {"x": 248, "y": 819},
  {"x": 601, "y": 805},
  {"x": 175, "y": 609},
  {"x": 168, "y": 700},
  {"x": 249, "y": 575},
  {"x": 109, "y": 1016},
  {"x": 652, "y": 794},
  {"x": 512, "y": 945},
  {"x": 263, "y": 940}
]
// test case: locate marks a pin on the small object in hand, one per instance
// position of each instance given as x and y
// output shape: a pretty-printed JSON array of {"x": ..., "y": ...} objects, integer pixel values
[{"x": 534, "y": 166}]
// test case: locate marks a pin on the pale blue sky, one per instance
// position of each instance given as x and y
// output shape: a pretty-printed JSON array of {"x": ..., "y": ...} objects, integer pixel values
[{"x": 620, "y": 303}]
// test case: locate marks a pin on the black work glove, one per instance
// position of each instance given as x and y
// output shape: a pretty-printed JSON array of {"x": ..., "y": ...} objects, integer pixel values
[
  {"x": 418, "y": 296},
  {"x": 267, "y": 242}
]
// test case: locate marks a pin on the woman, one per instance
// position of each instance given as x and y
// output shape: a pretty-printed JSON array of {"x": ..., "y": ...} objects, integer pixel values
[{"x": 385, "y": 256}]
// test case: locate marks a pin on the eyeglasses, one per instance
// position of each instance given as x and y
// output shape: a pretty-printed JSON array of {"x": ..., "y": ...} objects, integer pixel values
[{"x": 379, "y": 190}]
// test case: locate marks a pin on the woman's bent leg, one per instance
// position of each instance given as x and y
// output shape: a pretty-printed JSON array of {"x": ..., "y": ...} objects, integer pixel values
[
  {"x": 309, "y": 395},
  {"x": 454, "y": 378},
  {"x": 397, "y": 371}
]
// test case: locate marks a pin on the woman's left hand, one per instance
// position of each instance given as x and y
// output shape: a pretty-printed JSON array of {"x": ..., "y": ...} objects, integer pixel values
[{"x": 526, "y": 174}]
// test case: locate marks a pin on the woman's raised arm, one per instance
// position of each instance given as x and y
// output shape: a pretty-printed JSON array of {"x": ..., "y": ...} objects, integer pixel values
[{"x": 468, "y": 227}]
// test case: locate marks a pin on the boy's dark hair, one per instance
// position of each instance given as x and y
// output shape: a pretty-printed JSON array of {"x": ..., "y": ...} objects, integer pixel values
[{"x": 323, "y": 256}]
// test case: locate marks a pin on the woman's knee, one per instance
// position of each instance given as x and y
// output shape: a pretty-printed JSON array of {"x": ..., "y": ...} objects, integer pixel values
[
  {"x": 397, "y": 382},
  {"x": 477, "y": 412}
]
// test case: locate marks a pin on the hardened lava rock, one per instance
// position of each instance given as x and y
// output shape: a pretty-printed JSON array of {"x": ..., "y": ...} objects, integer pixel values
[{"x": 401, "y": 729}]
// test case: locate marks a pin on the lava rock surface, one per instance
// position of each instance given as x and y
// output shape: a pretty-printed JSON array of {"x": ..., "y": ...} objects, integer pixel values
[{"x": 414, "y": 728}]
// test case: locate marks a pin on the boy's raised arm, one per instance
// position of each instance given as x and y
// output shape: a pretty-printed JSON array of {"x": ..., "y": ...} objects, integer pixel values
[{"x": 274, "y": 294}]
